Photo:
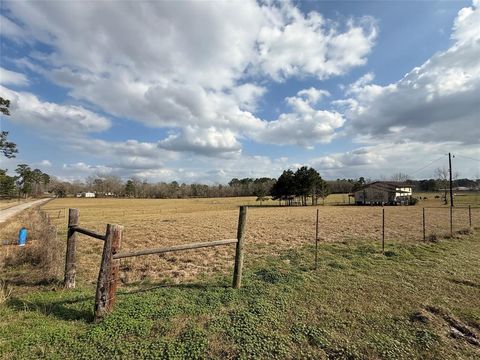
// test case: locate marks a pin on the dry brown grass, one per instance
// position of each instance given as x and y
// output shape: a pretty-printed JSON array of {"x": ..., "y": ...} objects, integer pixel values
[
  {"x": 270, "y": 230},
  {"x": 42, "y": 257},
  {"x": 6, "y": 203},
  {"x": 5, "y": 292}
]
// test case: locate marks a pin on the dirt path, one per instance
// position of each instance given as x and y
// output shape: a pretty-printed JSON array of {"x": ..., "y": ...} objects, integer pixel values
[{"x": 14, "y": 210}]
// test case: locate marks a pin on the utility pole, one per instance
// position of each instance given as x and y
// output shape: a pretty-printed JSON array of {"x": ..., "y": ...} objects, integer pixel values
[{"x": 451, "y": 183}]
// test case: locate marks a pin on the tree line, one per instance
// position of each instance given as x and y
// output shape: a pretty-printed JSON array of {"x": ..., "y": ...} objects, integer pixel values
[{"x": 26, "y": 183}]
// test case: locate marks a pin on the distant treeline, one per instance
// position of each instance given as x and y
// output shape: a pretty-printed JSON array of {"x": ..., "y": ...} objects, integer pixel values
[
  {"x": 292, "y": 187},
  {"x": 299, "y": 187}
]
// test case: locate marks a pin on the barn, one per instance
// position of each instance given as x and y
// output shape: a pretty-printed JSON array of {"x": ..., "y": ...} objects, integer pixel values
[{"x": 383, "y": 192}]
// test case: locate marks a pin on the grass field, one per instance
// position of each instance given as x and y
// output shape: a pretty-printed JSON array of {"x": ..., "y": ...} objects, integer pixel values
[
  {"x": 270, "y": 230},
  {"x": 357, "y": 304}
]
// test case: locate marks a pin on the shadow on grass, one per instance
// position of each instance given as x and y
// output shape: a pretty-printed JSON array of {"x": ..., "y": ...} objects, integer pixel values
[
  {"x": 34, "y": 283},
  {"x": 57, "y": 309},
  {"x": 65, "y": 309}
]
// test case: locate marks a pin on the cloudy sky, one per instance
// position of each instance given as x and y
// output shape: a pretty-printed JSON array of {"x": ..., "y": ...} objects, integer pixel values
[{"x": 205, "y": 91}]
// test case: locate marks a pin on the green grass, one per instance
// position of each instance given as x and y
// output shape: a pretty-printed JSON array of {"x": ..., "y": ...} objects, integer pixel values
[{"x": 356, "y": 304}]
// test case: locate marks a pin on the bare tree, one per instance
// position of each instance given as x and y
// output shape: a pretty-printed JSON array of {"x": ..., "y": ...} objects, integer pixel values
[
  {"x": 442, "y": 176},
  {"x": 400, "y": 177}
]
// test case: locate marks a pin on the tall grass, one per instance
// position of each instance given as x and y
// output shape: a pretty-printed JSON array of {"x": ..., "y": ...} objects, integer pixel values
[{"x": 42, "y": 257}]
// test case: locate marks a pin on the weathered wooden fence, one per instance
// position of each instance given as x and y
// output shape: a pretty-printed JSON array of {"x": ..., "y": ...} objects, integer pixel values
[{"x": 108, "y": 275}]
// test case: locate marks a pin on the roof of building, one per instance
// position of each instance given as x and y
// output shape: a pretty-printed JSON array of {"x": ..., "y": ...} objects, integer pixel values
[{"x": 386, "y": 185}]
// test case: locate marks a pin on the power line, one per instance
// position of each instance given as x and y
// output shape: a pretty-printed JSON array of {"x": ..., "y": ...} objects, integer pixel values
[
  {"x": 416, "y": 171},
  {"x": 466, "y": 157}
]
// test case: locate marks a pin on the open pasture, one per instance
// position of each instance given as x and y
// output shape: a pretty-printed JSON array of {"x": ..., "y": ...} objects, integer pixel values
[{"x": 270, "y": 230}]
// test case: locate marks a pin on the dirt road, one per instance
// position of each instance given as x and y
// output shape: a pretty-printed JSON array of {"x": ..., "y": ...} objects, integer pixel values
[{"x": 14, "y": 210}]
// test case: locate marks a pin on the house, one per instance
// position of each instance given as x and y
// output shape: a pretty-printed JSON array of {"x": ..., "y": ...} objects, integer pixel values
[
  {"x": 383, "y": 192},
  {"x": 86, "y": 195}
]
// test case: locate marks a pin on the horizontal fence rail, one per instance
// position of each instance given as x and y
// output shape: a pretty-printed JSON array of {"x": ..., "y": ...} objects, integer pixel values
[
  {"x": 175, "y": 248},
  {"x": 70, "y": 255},
  {"x": 88, "y": 232},
  {"x": 110, "y": 265}
]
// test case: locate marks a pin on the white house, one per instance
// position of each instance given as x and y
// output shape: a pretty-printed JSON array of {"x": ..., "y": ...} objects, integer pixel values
[
  {"x": 384, "y": 192},
  {"x": 86, "y": 194}
]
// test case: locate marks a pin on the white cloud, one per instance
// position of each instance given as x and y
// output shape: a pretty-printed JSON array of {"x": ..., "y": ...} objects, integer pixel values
[
  {"x": 190, "y": 170},
  {"x": 45, "y": 163},
  {"x": 10, "y": 29},
  {"x": 247, "y": 95},
  {"x": 384, "y": 159},
  {"x": 437, "y": 101},
  {"x": 28, "y": 110},
  {"x": 466, "y": 28},
  {"x": 86, "y": 169},
  {"x": 129, "y": 155},
  {"x": 207, "y": 142},
  {"x": 313, "y": 95},
  {"x": 8, "y": 77},
  {"x": 304, "y": 126},
  {"x": 183, "y": 65},
  {"x": 296, "y": 44}
]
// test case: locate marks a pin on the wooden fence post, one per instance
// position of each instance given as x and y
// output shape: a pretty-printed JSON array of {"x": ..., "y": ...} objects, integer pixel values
[
  {"x": 424, "y": 237},
  {"x": 316, "y": 242},
  {"x": 70, "y": 257},
  {"x": 237, "y": 271},
  {"x": 383, "y": 231},
  {"x": 108, "y": 274}
]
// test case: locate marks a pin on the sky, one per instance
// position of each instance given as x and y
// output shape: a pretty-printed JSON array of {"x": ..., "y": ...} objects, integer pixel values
[{"x": 206, "y": 91}]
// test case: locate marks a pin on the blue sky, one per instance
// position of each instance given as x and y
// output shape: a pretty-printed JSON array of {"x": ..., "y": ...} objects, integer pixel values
[{"x": 208, "y": 91}]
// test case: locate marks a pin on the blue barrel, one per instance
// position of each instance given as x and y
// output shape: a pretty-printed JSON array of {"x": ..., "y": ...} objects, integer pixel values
[{"x": 22, "y": 236}]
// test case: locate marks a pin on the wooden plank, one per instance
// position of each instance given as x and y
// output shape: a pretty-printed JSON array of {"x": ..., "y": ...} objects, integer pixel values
[
  {"x": 237, "y": 271},
  {"x": 88, "y": 232},
  {"x": 70, "y": 265},
  {"x": 108, "y": 274},
  {"x": 174, "y": 248}
]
